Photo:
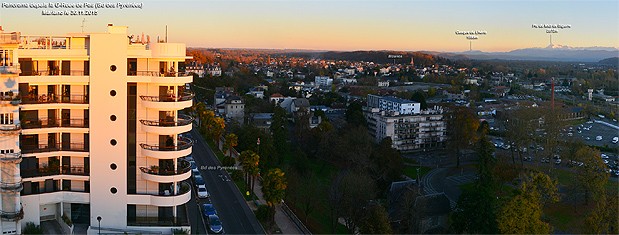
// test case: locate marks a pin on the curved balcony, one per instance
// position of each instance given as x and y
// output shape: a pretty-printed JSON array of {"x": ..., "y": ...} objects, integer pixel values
[
  {"x": 12, "y": 215},
  {"x": 156, "y": 174},
  {"x": 10, "y": 99},
  {"x": 160, "y": 77},
  {"x": 11, "y": 157},
  {"x": 168, "y": 126},
  {"x": 10, "y": 70},
  {"x": 11, "y": 186},
  {"x": 168, "y": 103},
  {"x": 164, "y": 198},
  {"x": 182, "y": 148},
  {"x": 10, "y": 129}
]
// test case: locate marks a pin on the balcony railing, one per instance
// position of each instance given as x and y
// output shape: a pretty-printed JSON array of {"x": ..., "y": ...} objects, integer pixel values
[
  {"x": 41, "y": 148},
  {"x": 182, "y": 120},
  {"x": 11, "y": 186},
  {"x": 155, "y": 73},
  {"x": 75, "y": 170},
  {"x": 169, "y": 98},
  {"x": 10, "y": 156},
  {"x": 10, "y": 127},
  {"x": 52, "y": 98},
  {"x": 9, "y": 69},
  {"x": 157, "y": 221},
  {"x": 47, "y": 123},
  {"x": 182, "y": 144},
  {"x": 182, "y": 168},
  {"x": 12, "y": 215},
  {"x": 53, "y": 72}
]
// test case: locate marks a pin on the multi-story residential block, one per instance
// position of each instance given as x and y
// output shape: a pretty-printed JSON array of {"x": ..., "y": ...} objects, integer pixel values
[
  {"x": 235, "y": 108},
  {"x": 90, "y": 131},
  {"x": 214, "y": 71},
  {"x": 410, "y": 131},
  {"x": 390, "y": 103},
  {"x": 195, "y": 68},
  {"x": 323, "y": 81}
]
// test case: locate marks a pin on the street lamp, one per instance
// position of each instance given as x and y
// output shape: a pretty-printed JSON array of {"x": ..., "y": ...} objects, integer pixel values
[{"x": 99, "y": 219}]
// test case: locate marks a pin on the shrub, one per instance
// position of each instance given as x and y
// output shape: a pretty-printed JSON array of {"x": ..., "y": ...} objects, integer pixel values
[
  {"x": 32, "y": 228},
  {"x": 262, "y": 213},
  {"x": 237, "y": 175},
  {"x": 228, "y": 161}
]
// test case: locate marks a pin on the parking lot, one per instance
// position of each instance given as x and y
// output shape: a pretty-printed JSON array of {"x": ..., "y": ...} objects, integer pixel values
[{"x": 588, "y": 132}]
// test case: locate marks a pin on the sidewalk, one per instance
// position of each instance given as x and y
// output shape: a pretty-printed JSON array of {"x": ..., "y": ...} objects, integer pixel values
[{"x": 285, "y": 224}]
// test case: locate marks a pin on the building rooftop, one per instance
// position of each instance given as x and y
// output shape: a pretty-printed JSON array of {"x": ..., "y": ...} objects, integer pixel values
[{"x": 397, "y": 100}]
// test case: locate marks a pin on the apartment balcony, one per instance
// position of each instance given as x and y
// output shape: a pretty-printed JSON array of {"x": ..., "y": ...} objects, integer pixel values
[
  {"x": 55, "y": 77},
  {"x": 75, "y": 170},
  {"x": 163, "y": 78},
  {"x": 10, "y": 99},
  {"x": 51, "y": 123},
  {"x": 11, "y": 186},
  {"x": 54, "y": 99},
  {"x": 168, "y": 103},
  {"x": 42, "y": 148},
  {"x": 143, "y": 221},
  {"x": 12, "y": 215},
  {"x": 168, "y": 126},
  {"x": 11, "y": 157},
  {"x": 163, "y": 198},
  {"x": 10, "y": 129},
  {"x": 155, "y": 174},
  {"x": 182, "y": 148},
  {"x": 57, "y": 195},
  {"x": 10, "y": 70}
]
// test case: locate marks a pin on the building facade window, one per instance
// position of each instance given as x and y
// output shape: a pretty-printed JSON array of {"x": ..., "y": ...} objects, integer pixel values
[{"x": 6, "y": 118}]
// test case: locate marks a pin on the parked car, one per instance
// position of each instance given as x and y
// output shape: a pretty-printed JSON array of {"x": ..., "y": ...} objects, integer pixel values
[
  {"x": 215, "y": 224},
  {"x": 198, "y": 180},
  {"x": 615, "y": 139},
  {"x": 194, "y": 168},
  {"x": 189, "y": 158},
  {"x": 202, "y": 192},
  {"x": 558, "y": 161},
  {"x": 208, "y": 210},
  {"x": 598, "y": 138}
]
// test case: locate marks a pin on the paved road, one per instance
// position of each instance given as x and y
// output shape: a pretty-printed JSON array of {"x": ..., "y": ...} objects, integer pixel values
[
  {"x": 197, "y": 222},
  {"x": 234, "y": 213}
]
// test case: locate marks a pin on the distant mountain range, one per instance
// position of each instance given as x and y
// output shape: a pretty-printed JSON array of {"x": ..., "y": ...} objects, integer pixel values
[{"x": 549, "y": 53}]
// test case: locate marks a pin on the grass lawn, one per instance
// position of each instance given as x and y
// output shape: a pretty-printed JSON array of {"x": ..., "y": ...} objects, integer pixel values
[{"x": 411, "y": 171}]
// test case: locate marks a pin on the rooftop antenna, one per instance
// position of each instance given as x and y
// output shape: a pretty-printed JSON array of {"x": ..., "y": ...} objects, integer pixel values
[
  {"x": 166, "y": 33},
  {"x": 83, "y": 21}
]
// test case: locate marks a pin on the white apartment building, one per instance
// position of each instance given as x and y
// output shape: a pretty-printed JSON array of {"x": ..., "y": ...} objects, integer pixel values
[
  {"x": 420, "y": 130},
  {"x": 323, "y": 81},
  {"x": 394, "y": 104},
  {"x": 90, "y": 128}
]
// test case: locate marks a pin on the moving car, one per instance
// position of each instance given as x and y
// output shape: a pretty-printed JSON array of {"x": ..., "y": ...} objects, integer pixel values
[
  {"x": 202, "y": 192},
  {"x": 214, "y": 224},
  {"x": 208, "y": 210}
]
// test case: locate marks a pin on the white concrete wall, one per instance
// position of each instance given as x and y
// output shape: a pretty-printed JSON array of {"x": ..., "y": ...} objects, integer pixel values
[{"x": 107, "y": 50}]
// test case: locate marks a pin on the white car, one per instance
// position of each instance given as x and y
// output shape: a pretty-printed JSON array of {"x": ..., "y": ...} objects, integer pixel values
[
  {"x": 615, "y": 139},
  {"x": 598, "y": 138},
  {"x": 202, "y": 192}
]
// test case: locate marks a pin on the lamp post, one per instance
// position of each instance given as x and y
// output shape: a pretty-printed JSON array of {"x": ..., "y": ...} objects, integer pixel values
[{"x": 99, "y": 219}]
